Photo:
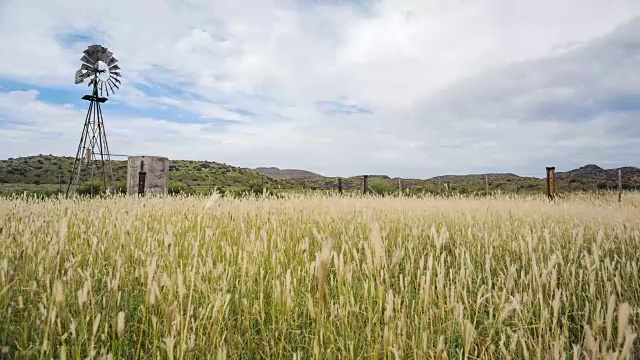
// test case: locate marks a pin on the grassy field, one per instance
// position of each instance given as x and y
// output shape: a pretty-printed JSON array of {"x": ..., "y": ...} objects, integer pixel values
[{"x": 320, "y": 277}]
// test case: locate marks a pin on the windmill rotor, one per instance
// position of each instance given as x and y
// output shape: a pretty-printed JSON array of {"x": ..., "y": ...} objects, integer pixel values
[{"x": 99, "y": 65}]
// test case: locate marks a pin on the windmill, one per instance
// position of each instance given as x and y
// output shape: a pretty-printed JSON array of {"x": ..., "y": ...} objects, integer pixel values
[{"x": 93, "y": 157}]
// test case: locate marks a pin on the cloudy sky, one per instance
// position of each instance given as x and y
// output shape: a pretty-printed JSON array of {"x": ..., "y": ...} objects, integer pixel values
[{"x": 412, "y": 88}]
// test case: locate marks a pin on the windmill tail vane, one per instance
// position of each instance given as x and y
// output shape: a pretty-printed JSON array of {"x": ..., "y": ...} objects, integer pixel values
[{"x": 93, "y": 157}]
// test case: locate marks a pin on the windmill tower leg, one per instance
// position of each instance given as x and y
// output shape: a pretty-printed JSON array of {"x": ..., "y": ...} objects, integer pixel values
[
  {"x": 105, "y": 157},
  {"x": 77, "y": 163},
  {"x": 93, "y": 138}
]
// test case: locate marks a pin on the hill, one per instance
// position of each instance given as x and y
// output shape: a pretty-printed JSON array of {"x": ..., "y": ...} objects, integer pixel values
[
  {"x": 596, "y": 173},
  {"x": 47, "y": 171},
  {"x": 586, "y": 178},
  {"x": 284, "y": 174}
]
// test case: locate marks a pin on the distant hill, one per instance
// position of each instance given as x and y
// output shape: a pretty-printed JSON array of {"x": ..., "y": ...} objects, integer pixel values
[
  {"x": 596, "y": 173},
  {"x": 588, "y": 177},
  {"x": 284, "y": 174},
  {"x": 48, "y": 170}
]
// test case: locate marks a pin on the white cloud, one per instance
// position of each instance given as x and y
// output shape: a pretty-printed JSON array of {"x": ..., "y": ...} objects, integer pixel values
[{"x": 431, "y": 72}]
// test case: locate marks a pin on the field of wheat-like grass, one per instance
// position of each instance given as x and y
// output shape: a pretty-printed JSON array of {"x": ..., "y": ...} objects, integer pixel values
[{"x": 320, "y": 277}]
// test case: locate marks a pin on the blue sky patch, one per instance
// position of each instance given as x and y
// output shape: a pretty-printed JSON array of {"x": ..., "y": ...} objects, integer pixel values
[
  {"x": 80, "y": 38},
  {"x": 54, "y": 95},
  {"x": 339, "y": 108}
]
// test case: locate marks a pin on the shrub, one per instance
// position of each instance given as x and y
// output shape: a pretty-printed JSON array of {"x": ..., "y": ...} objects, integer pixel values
[
  {"x": 90, "y": 188},
  {"x": 120, "y": 187},
  {"x": 177, "y": 187},
  {"x": 380, "y": 187}
]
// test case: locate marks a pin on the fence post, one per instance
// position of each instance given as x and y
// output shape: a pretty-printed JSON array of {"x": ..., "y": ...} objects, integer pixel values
[
  {"x": 400, "y": 185},
  {"x": 619, "y": 185},
  {"x": 551, "y": 183},
  {"x": 340, "y": 185},
  {"x": 365, "y": 184}
]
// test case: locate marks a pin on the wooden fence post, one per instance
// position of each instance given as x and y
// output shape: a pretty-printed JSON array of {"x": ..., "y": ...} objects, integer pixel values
[
  {"x": 340, "y": 185},
  {"x": 365, "y": 184},
  {"x": 551, "y": 183},
  {"x": 619, "y": 185}
]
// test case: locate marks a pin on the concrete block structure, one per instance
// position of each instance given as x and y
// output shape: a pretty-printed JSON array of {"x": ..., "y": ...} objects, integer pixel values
[{"x": 155, "y": 175}]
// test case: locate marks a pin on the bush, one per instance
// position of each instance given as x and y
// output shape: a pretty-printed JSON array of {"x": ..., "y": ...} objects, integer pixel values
[
  {"x": 91, "y": 188},
  {"x": 120, "y": 187},
  {"x": 41, "y": 193},
  {"x": 380, "y": 187},
  {"x": 177, "y": 187}
]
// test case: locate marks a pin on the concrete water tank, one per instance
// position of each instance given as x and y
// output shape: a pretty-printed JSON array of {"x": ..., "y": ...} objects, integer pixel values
[{"x": 156, "y": 177}]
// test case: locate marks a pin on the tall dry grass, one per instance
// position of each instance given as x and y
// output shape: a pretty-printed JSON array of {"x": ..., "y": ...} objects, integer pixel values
[{"x": 320, "y": 277}]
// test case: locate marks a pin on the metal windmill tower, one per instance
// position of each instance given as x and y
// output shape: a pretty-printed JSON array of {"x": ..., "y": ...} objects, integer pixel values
[{"x": 93, "y": 157}]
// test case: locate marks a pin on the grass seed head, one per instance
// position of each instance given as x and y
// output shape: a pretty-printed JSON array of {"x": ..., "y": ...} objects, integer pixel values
[
  {"x": 58, "y": 292},
  {"x": 322, "y": 270},
  {"x": 623, "y": 320},
  {"x": 120, "y": 323}
]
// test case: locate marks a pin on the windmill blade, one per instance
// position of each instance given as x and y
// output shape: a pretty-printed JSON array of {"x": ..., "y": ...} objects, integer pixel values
[
  {"x": 101, "y": 88},
  {"x": 90, "y": 53},
  {"x": 102, "y": 56},
  {"x": 93, "y": 81},
  {"x": 116, "y": 73},
  {"x": 114, "y": 68},
  {"x": 109, "y": 56},
  {"x": 113, "y": 78},
  {"x": 101, "y": 52},
  {"x": 87, "y": 61},
  {"x": 111, "y": 87},
  {"x": 111, "y": 82},
  {"x": 87, "y": 68},
  {"x": 112, "y": 61},
  {"x": 107, "y": 89}
]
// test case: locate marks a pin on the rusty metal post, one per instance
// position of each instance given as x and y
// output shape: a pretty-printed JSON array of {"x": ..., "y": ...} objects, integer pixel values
[
  {"x": 551, "y": 183},
  {"x": 142, "y": 177},
  {"x": 365, "y": 184},
  {"x": 619, "y": 185},
  {"x": 340, "y": 185}
]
